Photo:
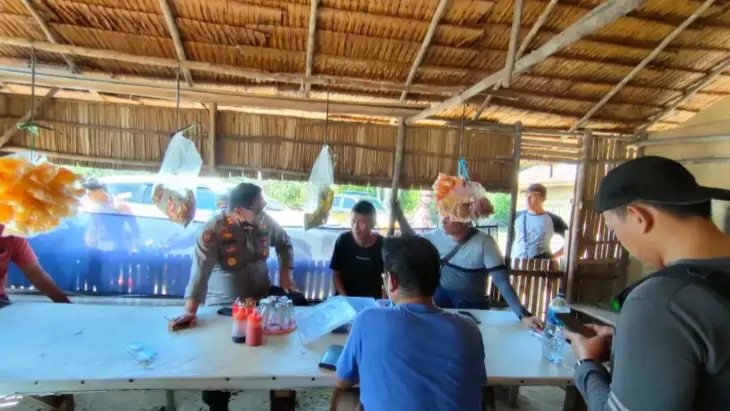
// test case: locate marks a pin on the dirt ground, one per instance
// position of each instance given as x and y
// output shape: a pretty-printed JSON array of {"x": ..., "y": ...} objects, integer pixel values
[{"x": 530, "y": 399}]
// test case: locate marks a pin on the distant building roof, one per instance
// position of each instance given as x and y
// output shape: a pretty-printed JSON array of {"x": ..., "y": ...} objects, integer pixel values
[{"x": 559, "y": 174}]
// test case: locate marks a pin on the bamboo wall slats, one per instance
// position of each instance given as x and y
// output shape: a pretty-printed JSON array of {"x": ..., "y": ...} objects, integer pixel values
[
  {"x": 278, "y": 146},
  {"x": 602, "y": 261}
]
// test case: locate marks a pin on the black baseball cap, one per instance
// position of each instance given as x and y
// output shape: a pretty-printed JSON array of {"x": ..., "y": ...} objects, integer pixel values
[
  {"x": 93, "y": 184},
  {"x": 656, "y": 180}
]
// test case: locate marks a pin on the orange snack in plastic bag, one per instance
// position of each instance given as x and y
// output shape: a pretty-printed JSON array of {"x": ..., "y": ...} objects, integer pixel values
[
  {"x": 35, "y": 197},
  {"x": 460, "y": 199}
]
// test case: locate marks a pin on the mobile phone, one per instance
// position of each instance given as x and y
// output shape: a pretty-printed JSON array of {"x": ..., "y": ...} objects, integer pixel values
[
  {"x": 470, "y": 315},
  {"x": 329, "y": 359},
  {"x": 226, "y": 311},
  {"x": 573, "y": 325}
]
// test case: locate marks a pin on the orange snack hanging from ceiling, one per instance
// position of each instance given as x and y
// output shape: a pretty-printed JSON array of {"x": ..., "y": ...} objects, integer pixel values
[
  {"x": 460, "y": 199},
  {"x": 34, "y": 198}
]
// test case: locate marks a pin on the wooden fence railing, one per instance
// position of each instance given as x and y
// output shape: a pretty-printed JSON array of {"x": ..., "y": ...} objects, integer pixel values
[{"x": 536, "y": 282}]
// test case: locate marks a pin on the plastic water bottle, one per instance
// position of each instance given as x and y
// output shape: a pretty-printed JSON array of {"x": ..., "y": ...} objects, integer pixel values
[{"x": 553, "y": 343}]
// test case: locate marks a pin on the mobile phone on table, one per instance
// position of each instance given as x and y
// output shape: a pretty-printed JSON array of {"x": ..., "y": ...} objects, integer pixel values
[
  {"x": 470, "y": 315},
  {"x": 329, "y": 359},
  {"x": 573, "y": 325}
]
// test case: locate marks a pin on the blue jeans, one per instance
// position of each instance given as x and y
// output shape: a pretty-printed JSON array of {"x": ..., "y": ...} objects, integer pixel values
[{"x": 455, "y": 299}]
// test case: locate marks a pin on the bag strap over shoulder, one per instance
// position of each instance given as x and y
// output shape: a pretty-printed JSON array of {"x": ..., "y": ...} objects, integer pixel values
[{"x": 458, "y": 247}]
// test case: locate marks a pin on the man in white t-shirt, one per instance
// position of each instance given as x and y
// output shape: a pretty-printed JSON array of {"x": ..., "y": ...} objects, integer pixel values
[{"x": 535, "y": 227}]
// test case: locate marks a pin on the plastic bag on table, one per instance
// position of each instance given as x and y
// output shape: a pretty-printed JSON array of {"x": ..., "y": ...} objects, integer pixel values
[
  {"x": 460, "y": 199},
  {"x": 174, "y": 195},
  {"x": 319, "y": 195},
  {"x": 35, "y": 195}
]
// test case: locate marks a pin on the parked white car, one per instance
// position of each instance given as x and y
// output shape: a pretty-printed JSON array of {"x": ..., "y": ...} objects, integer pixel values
[{"x": 136, "y": 190}]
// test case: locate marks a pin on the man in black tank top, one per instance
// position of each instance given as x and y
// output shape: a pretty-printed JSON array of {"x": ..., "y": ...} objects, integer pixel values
[{"x": 356, "y": 263}]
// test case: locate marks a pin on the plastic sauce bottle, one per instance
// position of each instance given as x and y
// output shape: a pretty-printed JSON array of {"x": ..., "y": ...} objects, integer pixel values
[
  {"x": 254, "y": 330},
  {"x": 239, "y": 327}
]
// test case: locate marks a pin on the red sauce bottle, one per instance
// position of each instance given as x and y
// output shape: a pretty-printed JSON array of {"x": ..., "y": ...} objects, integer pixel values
[{"x": 254, "y": 330}]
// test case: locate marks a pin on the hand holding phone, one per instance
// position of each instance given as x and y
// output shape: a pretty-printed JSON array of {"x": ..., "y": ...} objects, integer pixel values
[{"x": 573, "y": 325}]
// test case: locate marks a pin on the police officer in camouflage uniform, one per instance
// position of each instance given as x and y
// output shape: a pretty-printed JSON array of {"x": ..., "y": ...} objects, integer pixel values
[{"x": 229, "y": 262}]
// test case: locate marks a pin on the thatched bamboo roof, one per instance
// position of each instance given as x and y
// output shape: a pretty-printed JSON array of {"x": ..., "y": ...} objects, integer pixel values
[{"x": 362, "y": 53}]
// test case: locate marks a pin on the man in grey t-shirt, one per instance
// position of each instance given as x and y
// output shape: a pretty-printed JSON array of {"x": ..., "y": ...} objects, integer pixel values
[{"x": 671, "y": 347}]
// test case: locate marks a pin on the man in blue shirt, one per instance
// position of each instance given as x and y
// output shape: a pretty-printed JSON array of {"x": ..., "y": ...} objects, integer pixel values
[{"x": 414, "y": 356}]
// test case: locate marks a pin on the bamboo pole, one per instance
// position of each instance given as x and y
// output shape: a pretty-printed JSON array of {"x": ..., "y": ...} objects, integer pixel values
[
  {"x": 513, "y": 39},
  {"x": 212, "y": 135},
  {"x": 176, "y": 40},
  {"x": 514, "y": 190},
  {"x": 599, "y": 17},
  {"x": 48, "y": 31},
  {"x": 400, "y": 145},
  {"x": 681, "y": 141},
  {"x": 440, "y": 9},
  {"x": 9, "y": 133},
  {"x": 311, "y": 43},
  {"x": 576, "y": 220},
  {"x": 292, "y": 78},
  {"x": 694, "y": 16}
]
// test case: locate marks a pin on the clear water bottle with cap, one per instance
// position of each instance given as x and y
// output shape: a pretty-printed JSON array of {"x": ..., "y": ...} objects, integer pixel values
[{"x": 553, "y": 343}]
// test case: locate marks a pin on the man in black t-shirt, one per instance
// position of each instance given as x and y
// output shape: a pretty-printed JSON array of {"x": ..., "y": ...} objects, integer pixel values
[{"x": 357, "y": 264}]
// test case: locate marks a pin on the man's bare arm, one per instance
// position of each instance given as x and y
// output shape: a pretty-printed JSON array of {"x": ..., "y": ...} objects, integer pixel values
[
  {"x": 43, "y": 282},
  {"x": 339, "y": 286}
]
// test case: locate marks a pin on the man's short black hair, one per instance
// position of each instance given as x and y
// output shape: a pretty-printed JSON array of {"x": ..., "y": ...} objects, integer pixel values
[
  {"x": 414, "y": 262},
  {"x": 243, "y": 196},
  {"x": 364, "y": 207},
  {"x": 682, "y": 212}
]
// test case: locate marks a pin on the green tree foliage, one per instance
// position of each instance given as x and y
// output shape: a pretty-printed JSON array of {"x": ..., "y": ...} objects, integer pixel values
[{"x": 501, "y": 203}]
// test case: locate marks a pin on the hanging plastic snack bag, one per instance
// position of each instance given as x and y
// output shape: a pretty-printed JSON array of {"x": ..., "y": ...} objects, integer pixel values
[
  {"x": 35, "y": 195},
  {"x": 320, "y": 196},
  {"x": 174, "y": 195},
  {"x": 460, "y": 199}
]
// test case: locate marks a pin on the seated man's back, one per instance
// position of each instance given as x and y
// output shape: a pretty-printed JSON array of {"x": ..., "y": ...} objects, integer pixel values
[{"x": 415, "y": 357}]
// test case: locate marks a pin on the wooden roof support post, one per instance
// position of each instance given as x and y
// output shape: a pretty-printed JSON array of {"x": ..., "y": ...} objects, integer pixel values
[
  {"x": 521, "y": 51},
  {"x": 597, "y": 18},
  {"x": 212, "y": 136},
  {"x": 513, "y": 39},
  {"x": 176, "y": 40},
  {"x": 311, "y": 44},
  {"x": 712, "y": 76},
  {"x": 697, "y": 14},
  {"x": 400, "y": 146},
  {"x": 576, "y": 217},
  {"x": 50, "y": 34},
  {"x": 9, "y": 133},
  {"x": 514, "y": 190},
  {"x": 440, "y": 9}
]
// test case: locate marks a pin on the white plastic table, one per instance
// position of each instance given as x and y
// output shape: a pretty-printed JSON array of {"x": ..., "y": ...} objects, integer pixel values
[{"x": 71, "y": 348}]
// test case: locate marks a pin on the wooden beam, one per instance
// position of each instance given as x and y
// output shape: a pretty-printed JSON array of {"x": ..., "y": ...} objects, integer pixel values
[
  {"x": 576, "y": 222},
  {"x": 9, "y": 133},
  {"x": 599, "y": 17},
  {"x": 536, "y": 28},
  {"x": 176, "y": 40},
  {"x": 291, "y": 78},
  {"x": 212, "y": 136},
  {"x": 440, "y": 9},
  {"x": 681, "y": 141},
  {"x": 311, "y": 37},
  {"x": 78, "y": 157},
  {"x": 222, "y": 98},
  {"x": 50, "y": 34},
  {"x": 400, "y": 146},
  {"x": 514, "y": 189},
  {"x": 521, "y": 51},
  {"x": 513, "y": 39},
  {"x": 702, "y": 83},
  {"x": 698, "y": 13}
]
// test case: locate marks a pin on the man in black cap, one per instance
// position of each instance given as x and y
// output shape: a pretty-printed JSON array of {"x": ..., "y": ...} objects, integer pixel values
[{"x": 671, "y": 349}]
